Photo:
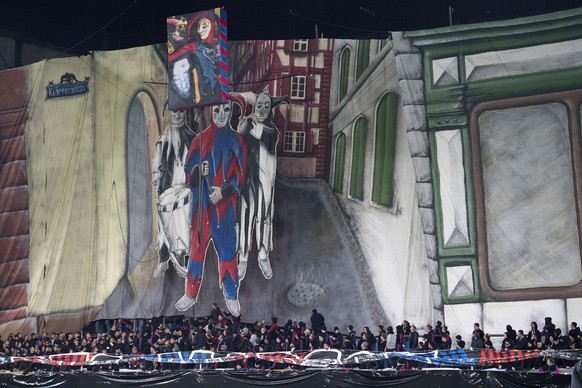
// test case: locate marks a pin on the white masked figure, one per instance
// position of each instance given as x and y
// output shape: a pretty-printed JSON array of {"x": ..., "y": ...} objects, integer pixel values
[
  {"x": 257, "y": 208},
  {"x": 174, "y": 197}
]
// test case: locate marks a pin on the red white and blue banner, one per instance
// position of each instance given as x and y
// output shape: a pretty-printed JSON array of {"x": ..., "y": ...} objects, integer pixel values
[{"x": 319, "y": 359}]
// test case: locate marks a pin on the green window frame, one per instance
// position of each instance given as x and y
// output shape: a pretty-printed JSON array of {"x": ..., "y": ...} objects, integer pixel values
[
  {"x": 339, "y": 163},
  {"x": 344, "y": 73},
  {"x": 385, "y": 149},
  {"x": 358, "y": 158},
  {"x": 381, "y": 44},
  {"x": 363, "y": 59}
]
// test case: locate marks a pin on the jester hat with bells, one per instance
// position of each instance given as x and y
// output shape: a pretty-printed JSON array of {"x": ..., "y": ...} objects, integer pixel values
[{"x": 246, "y": 102}]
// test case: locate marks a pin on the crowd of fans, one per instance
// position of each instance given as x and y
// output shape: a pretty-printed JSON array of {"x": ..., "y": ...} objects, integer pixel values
[{"x": 220, "y": 332}]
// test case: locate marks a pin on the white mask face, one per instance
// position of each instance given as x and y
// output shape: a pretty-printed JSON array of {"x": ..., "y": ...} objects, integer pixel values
[
  {"x": 204, "y": 28},
  {"x": 221, "y": 114},
  {"x": 178, "y": 118},
  {"x": 263, "y": 107}
]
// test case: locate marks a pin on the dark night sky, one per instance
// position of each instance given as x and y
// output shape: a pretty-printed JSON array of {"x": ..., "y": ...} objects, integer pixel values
[{"x": 113, "y": 24}]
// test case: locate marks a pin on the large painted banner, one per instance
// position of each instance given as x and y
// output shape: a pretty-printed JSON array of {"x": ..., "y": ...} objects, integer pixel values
[
  {"x": 424, "y": 177},
  {"x": 197, "y": 59},
  {"x": 143, "y": 211}
]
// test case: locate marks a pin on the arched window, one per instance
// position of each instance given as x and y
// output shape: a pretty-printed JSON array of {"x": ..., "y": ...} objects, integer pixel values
[
  {"x": 358, "y": 158},
  {"x": 344, "y": 73},
  {"x": 142, "y": 133},
  {"x": 339, "y": 163},
  {"x": 363, "y": 59},
  {"x": 385, "y": 149}
]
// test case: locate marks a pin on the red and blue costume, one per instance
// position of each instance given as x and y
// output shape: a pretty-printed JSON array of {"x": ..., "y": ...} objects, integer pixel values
[{"x": 225, "y": 152}]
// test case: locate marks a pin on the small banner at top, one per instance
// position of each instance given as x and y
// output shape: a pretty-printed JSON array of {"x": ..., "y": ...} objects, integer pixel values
[{"x": 197, "y": 59}]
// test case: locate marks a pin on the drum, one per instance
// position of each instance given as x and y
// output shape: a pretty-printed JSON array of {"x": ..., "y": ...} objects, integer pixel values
[{"x": 174, "y": 212}]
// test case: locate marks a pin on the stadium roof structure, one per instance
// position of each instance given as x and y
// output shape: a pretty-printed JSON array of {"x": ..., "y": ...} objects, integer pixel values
[{"x": 85, "y": 25}]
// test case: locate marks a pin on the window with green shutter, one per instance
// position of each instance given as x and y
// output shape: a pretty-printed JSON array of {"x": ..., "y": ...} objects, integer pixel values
[
  {"x": 344, "y": 73},
  {"x": 363, "y": 59},
  {"x": 358, "y": 158},
  {"x": 339, "y": 163},
  {"x": 385, "y": 149}
]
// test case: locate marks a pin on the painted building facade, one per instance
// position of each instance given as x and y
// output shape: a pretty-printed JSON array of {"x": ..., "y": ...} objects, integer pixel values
[
  {"x": 300, "y": 69},
  {"x": 493, "y": 118},
  {"x": 371, "y": 174}
]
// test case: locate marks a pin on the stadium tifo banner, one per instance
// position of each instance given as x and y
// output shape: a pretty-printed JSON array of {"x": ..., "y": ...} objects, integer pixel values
[
  {"x": 303, "y": 378},
  {"x": 314, "y": 359},
  {"x": 197, "y": 59},
  {"x": 328, "y": 164}
]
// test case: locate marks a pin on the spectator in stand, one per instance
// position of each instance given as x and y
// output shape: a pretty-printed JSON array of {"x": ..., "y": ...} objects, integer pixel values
[
  {"x": 317, "y": 320},
  {"x": 187, "y": 334},
  {"x": 321, "y": 341},
  {"x": 381, "y": 343},
  {"x": 561, "y": 341},
  {"x": 390, "y": 340},
  {"x": 430, "y": 334},
  {"x": 313, "y": 341},
  {"x": 134, "y": 364},
  {"x": 381, "y": 330},
  {"x": 459, "y": 343},
  {"x": 370, "y": 338},
  {"x": 352, "y": 337},
  {"x": 245, "y": 343},
  {"x": 534, "y": 332},
  {"x": 199, "y": 338},
  {"x": 550, "y": 366},
  {"x": 390, "y": 347},
  {"x": 263, "y": 333},
  {"x": 424, "y": 341},
  {"x": 438, "y": 333},
  {"x": 215, "y": 312},
  {"x": 477, "y": 337},
  {"x": 521, "y": 342},
  {"x": 221, "y": 323},
  {"x": 400, "y": 338},
  {"x": 537, "y": 362},
  {"x": 406, "y": 327},
  {"x": 290, "y": 325},
  {"x": 112, "y": 346},
  {"x": 228, "y": 339},
  {"x": 487, "y": 342},
  {"x": 574, "y": 330},
  {"x": 573, "y": 344},
  {"x": 363, "y": 339},
  {"x": 364, "y": 346},
  {"x": 511, "y": 334},
  {"x": 507, "y": 342},
  {"x": 302, "y": 343},
  {"x": 279, "y": 345},
  {"x": 323, "y": 334},
  {"x": 272, "y": 330},
  {"x": 446, "y": 339},
  {"x": 413, "y": 340},
  {"x": 254, "y": 338},
  {"x": 338, "y": 335},
  {"x": 211, "y": 341},
  {"x": 549, "y": 328},
  {"x": 335, "y": 339},
  {"x": 552, "y": 342}
]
